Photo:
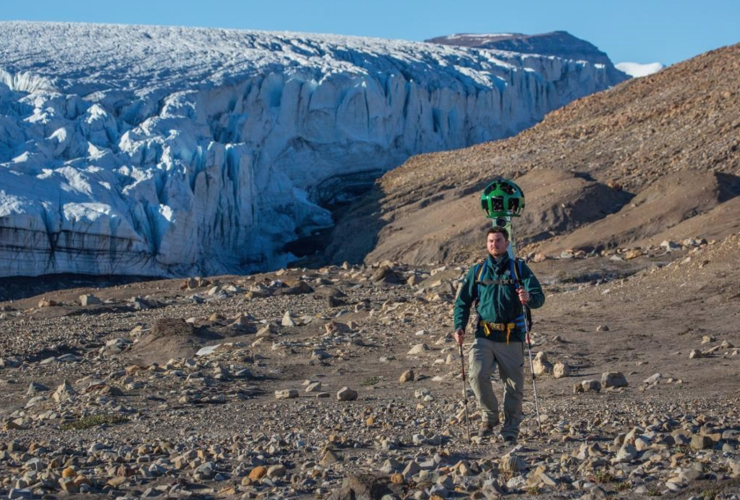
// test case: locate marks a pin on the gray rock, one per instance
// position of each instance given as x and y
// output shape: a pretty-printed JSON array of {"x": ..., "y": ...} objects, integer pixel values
[
  {"x": 346, "y": 394},
  {"x": 675, "y": 485},
  {"x": 411, "y": 470},
  {"x": 613, "y": 379},
  {"x": 512, "y": 463},
  {"x": 9, "y": 363},
  {"x": 34, "y": 388},
  {"x": 626, "y": 453},
  {"x": 286, "y": 394},
  {"x": 670, "y": 246},
  {"x": 314, "y": 387},
  {"x": 407, "y": 376},
  {"x": 587, "y": 386},
  {"x": 390, "y": 466},
  {"x": 320, "y": 354},
  {"x": 691, "y": 474},
  {"x": 701, "y": 442},
  {"x": 385, "y": 274},
  {"x": 64, "y": 393},
  {"x": 278, "y": 470},
  {"x": 336, "y": 328},
  {"x": 140, "y": 304},
  {"x": 89, "y": 300},
  {"x": 362, "y": 486},
  {"x": 414, "y": 280},
  {"x": 34, "y": 401},
  {"x": 205, "y": 471},
  {"x": 69, "y": 358},
  {"x": 267, "y": 330}
]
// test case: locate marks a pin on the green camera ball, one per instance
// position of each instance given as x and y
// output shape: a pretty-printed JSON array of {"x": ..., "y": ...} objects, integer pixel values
[{"x": 502, "y": 198}]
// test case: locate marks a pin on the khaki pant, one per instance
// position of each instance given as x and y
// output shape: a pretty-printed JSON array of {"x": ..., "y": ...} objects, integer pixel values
[{"x": 484, "y": 356}]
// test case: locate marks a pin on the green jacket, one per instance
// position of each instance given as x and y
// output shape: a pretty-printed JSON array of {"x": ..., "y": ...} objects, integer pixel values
[{"x": 499, "y": 302}]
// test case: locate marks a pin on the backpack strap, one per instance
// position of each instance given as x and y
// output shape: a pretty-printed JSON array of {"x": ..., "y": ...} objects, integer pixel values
[
  {"x": 480, "y": 268},
  {"x": 516, "y": 272}
]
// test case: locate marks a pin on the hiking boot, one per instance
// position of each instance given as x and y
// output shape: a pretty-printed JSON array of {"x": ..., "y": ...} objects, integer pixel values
[{"x": 486, "y": 428}]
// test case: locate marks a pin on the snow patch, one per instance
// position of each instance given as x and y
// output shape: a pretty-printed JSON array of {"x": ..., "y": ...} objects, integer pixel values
[{"x": 637, "y": 70}]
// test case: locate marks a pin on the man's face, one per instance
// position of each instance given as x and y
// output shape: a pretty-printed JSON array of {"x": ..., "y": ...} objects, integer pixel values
[{"x": 496, "y": 244}]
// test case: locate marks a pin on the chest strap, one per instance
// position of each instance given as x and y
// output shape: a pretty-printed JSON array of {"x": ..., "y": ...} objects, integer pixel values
[{"x": 502, "y": 281}]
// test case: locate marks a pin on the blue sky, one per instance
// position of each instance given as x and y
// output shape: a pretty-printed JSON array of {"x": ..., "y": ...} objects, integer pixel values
[{"x": 641, "y": 31}]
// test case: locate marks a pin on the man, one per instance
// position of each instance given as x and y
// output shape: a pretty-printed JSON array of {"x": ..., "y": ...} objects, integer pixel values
[{"x": 499, "y": 334}]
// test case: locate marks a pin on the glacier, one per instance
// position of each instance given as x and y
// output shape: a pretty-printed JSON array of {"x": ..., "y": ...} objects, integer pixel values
[{"x": 167, "y": 151}]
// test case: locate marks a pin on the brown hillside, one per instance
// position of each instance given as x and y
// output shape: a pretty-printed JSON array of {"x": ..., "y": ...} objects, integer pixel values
[{"x": 655, "y": 152}]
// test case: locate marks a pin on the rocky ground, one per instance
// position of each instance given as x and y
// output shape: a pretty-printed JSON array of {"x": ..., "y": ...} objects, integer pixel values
[{"x": 344, "y": 381}]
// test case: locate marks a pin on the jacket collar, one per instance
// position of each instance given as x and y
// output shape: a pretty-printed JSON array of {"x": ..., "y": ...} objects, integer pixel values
[{"x": 501, "y": 266}]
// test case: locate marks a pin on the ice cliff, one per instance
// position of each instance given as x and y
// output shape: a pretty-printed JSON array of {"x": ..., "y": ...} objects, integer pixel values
[{"x": 175, "y": 151}]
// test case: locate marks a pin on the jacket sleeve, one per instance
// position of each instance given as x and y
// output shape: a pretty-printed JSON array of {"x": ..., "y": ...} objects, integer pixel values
[
  {"x": 465, "y": 299},
  {"x": 532, "y": 285}
]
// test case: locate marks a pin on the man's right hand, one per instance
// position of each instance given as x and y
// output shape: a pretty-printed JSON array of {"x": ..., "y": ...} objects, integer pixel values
[{"x": 459, "y": 335}]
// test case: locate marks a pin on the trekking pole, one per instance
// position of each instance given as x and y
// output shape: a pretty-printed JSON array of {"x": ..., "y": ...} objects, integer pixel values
[
  {"x": 525, "y": 310},
  {"x": 465, "y": 393},
  {"x": 531, "y": 366}
]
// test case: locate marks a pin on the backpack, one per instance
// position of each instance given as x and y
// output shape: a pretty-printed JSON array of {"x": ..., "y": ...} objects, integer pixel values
[{"x": 516, "y": 272}]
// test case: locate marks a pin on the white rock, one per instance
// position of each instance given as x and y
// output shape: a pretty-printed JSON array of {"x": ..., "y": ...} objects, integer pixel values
[
  {"x": 287, "y": 319},
  {"x": 89, "y": 300},
  {"x": 541, "y": 364},
  {"x": 670, "y": 246},
  {"x": 561, "y": 370},
  {"x": 205, "y": 351},
  {"x": 653, "y": 379},
  {"x": 418, "y": 349}
]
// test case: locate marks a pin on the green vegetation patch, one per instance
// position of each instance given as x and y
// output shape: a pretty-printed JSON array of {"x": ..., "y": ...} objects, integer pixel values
[
  {"x": 370, "y": 381},
  {"x": 93, "y": 421}
]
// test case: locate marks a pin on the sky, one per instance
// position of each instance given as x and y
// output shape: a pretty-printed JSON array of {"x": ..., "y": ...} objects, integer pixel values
[{"x": 642, "y": 31}]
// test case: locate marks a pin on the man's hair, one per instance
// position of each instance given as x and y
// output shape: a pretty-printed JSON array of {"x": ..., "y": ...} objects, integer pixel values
[{"x": 498, "y": 229}]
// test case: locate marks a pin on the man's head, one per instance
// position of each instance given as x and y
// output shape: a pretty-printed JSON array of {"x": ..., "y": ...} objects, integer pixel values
[{"x": 497, "y": 241}]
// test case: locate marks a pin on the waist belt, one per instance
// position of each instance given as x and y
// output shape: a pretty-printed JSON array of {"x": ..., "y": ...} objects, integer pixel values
[{"x": 489, "y": 328}]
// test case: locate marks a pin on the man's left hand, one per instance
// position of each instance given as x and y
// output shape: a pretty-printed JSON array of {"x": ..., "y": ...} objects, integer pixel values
[{"x": 523, "y": 296}]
